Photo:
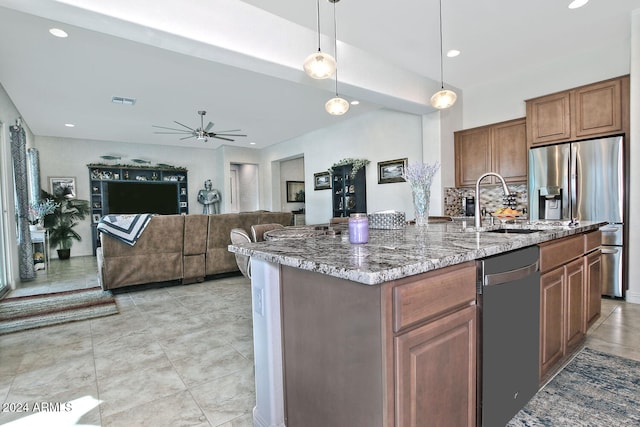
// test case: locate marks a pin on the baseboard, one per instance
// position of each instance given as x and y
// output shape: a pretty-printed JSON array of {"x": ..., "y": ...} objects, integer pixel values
[{"x": 632, "y": 297}]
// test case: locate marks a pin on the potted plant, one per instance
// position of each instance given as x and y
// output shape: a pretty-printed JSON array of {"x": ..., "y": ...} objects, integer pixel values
[{"x": 61, "y": 222}]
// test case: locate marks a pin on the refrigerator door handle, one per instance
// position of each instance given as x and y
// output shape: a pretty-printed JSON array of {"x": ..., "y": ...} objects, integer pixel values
[
  {"x": 609, "y": 251},
  {"x": 573, "y": 181}
]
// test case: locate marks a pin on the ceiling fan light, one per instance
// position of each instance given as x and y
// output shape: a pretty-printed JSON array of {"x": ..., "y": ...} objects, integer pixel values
[
  {"x": 337, "y": 106},
  {"x": 319, "y": 65},
  {"x": 443, "y": 99}
]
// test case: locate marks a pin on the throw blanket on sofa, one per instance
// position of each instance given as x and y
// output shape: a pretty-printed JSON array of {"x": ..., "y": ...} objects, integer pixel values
[{"x": 126, "y": 228}]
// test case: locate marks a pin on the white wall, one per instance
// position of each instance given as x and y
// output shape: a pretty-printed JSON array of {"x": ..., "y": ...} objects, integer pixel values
[
  {"x": 504, "y": 99},
  {"x": 376, "y": 136}
]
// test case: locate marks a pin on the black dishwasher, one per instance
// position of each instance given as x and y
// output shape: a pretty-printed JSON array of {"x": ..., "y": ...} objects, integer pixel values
[{"x": 508, "y": 343}]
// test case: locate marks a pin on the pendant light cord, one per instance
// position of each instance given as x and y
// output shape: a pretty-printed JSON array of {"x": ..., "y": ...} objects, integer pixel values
[
  {"x": 318, "y": 16},
  {"x": 441, "y": 50},
  {"x": 335, "y": 43}
]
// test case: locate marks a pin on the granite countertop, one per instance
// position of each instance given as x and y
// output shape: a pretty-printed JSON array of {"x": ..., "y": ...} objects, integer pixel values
[{"x": 394, "y": 254}]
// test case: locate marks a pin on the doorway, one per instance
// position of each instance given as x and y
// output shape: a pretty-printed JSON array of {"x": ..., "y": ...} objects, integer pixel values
[{"x": 243, "y": 187}]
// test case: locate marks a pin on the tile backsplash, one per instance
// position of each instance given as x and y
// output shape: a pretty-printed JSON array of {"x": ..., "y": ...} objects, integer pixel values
[{"x": 490, "y": 198}]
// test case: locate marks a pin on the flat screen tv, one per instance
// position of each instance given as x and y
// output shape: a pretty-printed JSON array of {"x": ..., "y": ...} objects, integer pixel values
[{"x": 142, "y": 197}]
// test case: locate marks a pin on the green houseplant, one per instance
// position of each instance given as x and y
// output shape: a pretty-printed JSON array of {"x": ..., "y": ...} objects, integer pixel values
[{"x": 62, "y": 221}]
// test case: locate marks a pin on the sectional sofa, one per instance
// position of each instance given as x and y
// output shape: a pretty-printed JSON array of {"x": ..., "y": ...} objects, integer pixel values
[{"x": 177, "y": 247}]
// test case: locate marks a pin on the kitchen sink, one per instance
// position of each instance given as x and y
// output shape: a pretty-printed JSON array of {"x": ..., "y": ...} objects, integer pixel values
[{"x": 513, "y": 231}]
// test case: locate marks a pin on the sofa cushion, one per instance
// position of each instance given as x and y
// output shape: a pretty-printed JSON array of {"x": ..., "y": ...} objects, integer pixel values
[{"x": 195, "y": 234}]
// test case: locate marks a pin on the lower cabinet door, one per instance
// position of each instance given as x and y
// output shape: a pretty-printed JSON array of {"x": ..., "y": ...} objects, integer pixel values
[
  {"x": 436, "y": 372},
  {"x": 575, "y": 312},
  {"x": 552, "y": 319}
]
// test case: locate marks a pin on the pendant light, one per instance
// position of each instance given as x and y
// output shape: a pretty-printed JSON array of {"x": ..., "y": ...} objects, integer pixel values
[
  {"x": 319, "y": 65},
  {"x": 336, "y": 106},
  {"x": 443, "y": 98}
]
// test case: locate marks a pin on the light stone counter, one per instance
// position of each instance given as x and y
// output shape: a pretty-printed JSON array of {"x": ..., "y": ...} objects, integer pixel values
[{"x": 394, "y": 254}]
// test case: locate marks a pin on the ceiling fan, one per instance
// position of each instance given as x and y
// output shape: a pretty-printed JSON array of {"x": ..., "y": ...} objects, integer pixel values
[{"x": 202, "y": 133}]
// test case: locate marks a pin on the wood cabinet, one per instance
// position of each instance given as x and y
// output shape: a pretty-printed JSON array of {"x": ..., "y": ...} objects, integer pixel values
[
  {"x": 569, "y": 297},
  {"x": 435, "y": 372},
  {"x": 500, "y": 147},
  {"x": 597, "y": 109},
  {"x": 131, "y": 189},
  {"x": 349, "y": 191},
  {"x": 398, "y": 354}
]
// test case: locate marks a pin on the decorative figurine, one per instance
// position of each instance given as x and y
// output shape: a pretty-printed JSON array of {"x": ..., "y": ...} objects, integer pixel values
[{"x": 210, "y": 198}]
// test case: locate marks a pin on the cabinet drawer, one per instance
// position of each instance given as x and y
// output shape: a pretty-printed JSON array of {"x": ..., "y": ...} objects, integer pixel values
[
  {"x": 559, "y": 252},
  {"x": 433, "y": 294},
  {"x": 592, "y": 241}
]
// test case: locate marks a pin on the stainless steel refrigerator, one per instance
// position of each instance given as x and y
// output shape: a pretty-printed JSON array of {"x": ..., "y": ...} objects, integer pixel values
[{"x": 584, "y": 181}]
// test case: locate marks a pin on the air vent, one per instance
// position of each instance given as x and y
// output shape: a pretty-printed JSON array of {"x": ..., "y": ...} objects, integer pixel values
[{"x": 122, "y": 100}]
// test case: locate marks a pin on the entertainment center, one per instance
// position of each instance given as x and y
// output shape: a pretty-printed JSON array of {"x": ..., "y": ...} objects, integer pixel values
[{"x": 124, "y": 189}]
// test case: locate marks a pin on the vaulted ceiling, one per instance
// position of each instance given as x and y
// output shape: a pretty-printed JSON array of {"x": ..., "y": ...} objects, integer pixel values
[{"x": 241, "y": 60}]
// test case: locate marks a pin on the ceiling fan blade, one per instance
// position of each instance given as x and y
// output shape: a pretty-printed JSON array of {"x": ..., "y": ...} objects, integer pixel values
[
  {"x": 187, "y": 137},
  {"x": 227, "y": 131},
  {"x": 226, "y": 139},
  {"x": 191, "y": 129},
  {"x": 170, "y": 133},
  {"x": 164, "y": 127},
  {"x": 209, "y": 126},
  {"x": 227, "y": 134}
]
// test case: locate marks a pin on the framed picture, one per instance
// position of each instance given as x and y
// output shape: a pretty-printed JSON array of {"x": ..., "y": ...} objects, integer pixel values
[
  {"x": 63, "y": 185},
  {"x": 391, "y": 171},
  {"x": 322, "y": 181},
  {"x": 295, "y": 191},
  {"x": 96, "y": 218}
]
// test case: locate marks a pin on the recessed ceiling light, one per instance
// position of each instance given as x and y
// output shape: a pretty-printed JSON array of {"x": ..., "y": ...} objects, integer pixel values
[
  {"x": 70, "y": 125},
  {"x": 453, "y": 53},
  {"x": 58, "y": 32},
  {"x": 123, "y": 100},
  {"x": 355, "y": 102},
  {"x": 577, "y": 3},
  {"x": 252, "y": 143}
]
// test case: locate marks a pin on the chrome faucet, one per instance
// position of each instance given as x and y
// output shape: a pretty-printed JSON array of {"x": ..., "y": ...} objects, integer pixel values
[{"x": 505, "y": 189}]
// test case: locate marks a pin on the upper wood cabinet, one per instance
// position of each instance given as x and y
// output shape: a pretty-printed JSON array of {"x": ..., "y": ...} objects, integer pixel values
[
  {"x": 597, "y": 109},
  {"x": 500, "y": 147}
]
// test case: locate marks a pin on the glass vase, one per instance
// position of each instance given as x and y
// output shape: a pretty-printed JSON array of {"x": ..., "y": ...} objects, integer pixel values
[{"x": 421, "y": 196}]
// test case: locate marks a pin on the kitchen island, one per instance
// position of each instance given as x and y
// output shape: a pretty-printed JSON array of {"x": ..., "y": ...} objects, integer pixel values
[{"x": 378, "y": 334}]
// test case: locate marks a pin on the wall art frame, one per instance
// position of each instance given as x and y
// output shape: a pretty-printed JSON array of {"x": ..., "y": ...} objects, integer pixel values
[
  {"x": 64, "y": 184},
  {"x": 392, "y": 171},
  {"x": 322, "y": 181},
  {"x": 295, "y": 191}
]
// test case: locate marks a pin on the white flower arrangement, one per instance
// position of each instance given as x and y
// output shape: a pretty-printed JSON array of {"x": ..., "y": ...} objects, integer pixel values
[
  {"x": 420, "y": 174},
  {"x": 39, "y": 210}
]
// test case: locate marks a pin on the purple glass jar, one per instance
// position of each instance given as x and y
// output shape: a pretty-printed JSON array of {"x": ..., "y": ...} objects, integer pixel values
[{"x": 358, "y": 228}]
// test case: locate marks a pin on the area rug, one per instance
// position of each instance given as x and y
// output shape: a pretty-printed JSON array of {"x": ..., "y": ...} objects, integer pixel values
[
  {"x": 595, "y": 389},
  {"x": 21, "y": 313}
]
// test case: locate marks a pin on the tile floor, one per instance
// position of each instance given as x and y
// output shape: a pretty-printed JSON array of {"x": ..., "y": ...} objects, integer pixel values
[
  {"x": 178, "y": 355},
  {"x": 174, "y": 356}
]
